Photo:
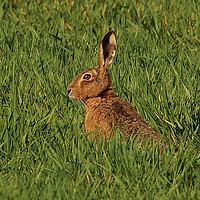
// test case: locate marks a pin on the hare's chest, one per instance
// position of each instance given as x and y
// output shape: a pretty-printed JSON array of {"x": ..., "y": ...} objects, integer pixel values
[
  {"x": 95, "y": 120},
  {"x": 90, "y": 121}
]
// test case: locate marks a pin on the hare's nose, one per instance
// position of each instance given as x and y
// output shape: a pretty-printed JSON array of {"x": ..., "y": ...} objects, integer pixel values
[{"x": 69, "y": 90}]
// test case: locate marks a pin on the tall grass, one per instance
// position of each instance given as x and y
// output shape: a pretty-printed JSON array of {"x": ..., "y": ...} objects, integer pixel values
[{"x": 43, "y": 146}]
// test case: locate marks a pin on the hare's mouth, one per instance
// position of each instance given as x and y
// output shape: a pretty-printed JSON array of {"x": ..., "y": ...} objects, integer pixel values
[
  {"x": 72, "y": 96},
  {"x": 69, "y": 91}
]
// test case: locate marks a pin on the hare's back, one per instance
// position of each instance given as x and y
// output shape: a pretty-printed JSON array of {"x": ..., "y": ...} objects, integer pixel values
[{"x": 122, "y": 114}]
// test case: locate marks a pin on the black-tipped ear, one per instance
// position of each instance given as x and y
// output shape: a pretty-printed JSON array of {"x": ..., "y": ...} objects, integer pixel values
[{"x": 108, "y": 47}]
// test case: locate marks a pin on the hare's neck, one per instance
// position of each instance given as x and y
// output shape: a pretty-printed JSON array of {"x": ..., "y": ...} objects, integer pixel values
[
  {"x": 92, "y": 103},
  {"x": 107, "y": 93}
]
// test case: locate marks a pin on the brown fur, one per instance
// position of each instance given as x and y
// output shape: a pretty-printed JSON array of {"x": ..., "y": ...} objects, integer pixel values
[{"x": 103, "y": 108}]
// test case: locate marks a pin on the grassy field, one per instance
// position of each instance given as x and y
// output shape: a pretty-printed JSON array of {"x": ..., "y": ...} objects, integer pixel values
[{"x": 44, "y": 151}]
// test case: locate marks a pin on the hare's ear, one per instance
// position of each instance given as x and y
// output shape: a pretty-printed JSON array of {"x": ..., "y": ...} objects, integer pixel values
[{"x": 108, "y": 47}]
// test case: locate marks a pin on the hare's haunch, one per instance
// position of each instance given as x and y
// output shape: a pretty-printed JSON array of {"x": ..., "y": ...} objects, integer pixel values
[{"x": 104, "y": 109}]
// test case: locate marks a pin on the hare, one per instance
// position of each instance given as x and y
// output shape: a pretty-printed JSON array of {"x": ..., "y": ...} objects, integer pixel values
[{"x": 104, "y": 109}]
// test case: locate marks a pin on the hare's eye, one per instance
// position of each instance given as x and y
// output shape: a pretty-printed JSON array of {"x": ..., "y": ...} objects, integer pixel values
[{"x": 87, "y": 76}]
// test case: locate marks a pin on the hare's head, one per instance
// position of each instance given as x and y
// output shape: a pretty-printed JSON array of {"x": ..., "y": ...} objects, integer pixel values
[{"x": 94, "y": 81}]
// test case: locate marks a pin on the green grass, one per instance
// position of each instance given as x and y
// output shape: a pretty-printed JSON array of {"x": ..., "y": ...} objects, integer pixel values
[{"x": 44, "y": 151}]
